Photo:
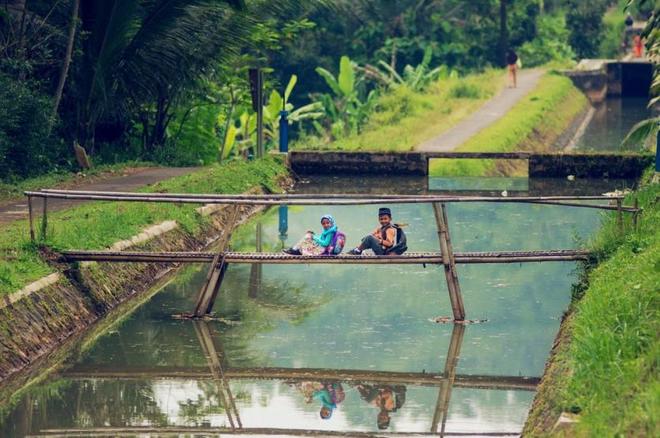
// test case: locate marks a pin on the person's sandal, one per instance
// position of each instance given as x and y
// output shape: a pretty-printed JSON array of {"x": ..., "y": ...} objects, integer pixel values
[
  {"x": 355, "y": 251},
  {"x": 292, "y": 251}
]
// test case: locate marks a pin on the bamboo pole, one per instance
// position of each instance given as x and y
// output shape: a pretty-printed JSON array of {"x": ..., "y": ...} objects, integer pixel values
[
  {"x": 448, "y": 262},
  {"x": 428, "y": 379},
  {"x": 215, "y": 275},
  {"x": 44, "y": 219},
  {"x": 315, "y": 200},
  {"x": 444, "y": 396},
  {"x": 277, "y": 258},
  {"x": 30, "y": 214}
]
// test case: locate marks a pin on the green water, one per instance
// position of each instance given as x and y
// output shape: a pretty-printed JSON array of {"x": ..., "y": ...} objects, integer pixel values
[
  {"x": 612, "y": 120},
  {"x": 337, "y": 317}
]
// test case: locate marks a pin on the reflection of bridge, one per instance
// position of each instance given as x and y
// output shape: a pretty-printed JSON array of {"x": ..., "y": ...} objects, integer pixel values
[
  {"x": 247, "y": 431},
  {"x": 307, "y": 374},
  {"x": 221, "y": 375}
]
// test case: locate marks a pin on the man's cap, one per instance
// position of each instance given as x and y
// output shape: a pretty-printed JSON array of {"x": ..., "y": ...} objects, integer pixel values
[{"x": 384, "y": 211}]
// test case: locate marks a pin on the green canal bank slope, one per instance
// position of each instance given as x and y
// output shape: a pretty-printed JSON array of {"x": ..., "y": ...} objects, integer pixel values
[
  {"x": 539, "y": 122},
  {"x": 604, "y": 364},
  {"x": 43, "y": 303},
  {"x": 404, "y": 118}
]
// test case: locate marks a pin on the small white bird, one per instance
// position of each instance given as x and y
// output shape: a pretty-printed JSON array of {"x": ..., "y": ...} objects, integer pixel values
[
  {"x": 505, "y": 193},
  {"x": 571, "y": 177}
]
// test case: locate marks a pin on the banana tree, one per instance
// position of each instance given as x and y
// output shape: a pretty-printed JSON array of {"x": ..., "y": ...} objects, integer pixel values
[
  {"x": 345, "y": 111},
  {"x": 277, "y": 103},
  {"x": 416, "y": 78}
]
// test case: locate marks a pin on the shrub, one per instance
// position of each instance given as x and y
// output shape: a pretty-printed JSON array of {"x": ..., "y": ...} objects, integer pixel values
[
  {"x": 550, "y": 44},
  {"x": 465, "y": 90},
  {"x": 25, "y": 148}
]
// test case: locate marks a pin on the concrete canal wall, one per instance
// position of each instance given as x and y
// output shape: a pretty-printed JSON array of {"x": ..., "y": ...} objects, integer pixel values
[
  {"x": 602, "y": 78},
  {"x": 416, "y": 163},
  {"x": 38, "y": 320}
]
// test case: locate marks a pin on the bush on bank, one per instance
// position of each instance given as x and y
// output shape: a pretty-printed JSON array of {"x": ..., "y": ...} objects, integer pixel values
[
  {"x": 97, "y": 225},
  {"x": 606, "y": 365}
]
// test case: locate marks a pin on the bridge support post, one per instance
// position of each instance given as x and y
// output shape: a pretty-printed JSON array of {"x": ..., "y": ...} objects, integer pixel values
[
  {"x": 44, "y": 219},
  {"x": 216, "y": 274},
  {"x": 449, "y": 263},
  {"x": 30, "y": 214},
  {"x": 453, "y": 354},
  {"x": 619, "y": 216}
]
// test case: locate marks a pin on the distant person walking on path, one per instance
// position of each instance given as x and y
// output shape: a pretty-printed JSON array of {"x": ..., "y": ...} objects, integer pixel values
[
  {"x": 638, "y": 47},
  {"x": 512, "y": 66},
  {"x": 387, "y": 239}
]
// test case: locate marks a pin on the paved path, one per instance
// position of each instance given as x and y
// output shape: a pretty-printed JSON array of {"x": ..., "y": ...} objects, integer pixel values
[
  {"x": 125, "y": 183},
  {"x": 489, "y": 113}
]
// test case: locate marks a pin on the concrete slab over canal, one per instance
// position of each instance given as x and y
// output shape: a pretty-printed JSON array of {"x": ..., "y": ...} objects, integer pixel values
[{"x": 416, "y": 163}]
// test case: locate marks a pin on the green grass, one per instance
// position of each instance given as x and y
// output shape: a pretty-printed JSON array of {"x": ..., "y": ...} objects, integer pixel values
[
  {"x": 404, "y": 118},
  {"x": 607, "y": 369},
  {"x": 534, "y": 123},
  {"x": 9, "y": 191},
  {"x": 99, "y": 224}
]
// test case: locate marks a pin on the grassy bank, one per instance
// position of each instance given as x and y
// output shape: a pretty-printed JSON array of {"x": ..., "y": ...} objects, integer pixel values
[
  {"x": 605, "y": 366},
  {"x": 404, "y": 118},
  {"x": 533, "y": 124},
  {"x": 99, "y": 224}
]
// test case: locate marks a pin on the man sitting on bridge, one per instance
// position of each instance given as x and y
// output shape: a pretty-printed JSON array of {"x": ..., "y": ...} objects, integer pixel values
[{"x": 387, "y": 239}]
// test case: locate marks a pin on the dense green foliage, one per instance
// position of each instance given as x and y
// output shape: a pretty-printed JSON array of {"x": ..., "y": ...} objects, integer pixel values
[
  {"x": 167, "y": 80},
  {"x": 98, "y": 225}
]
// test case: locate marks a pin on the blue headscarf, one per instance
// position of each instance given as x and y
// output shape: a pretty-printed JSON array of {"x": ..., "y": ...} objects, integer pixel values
[{"x": 325, "y": 238}]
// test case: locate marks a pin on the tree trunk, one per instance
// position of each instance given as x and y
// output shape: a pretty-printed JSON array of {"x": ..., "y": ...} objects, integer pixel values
[
  {"x": 504, "y": 34},
  {"x": 65, "y": 65},
  {"x": 230, "y": 114}
]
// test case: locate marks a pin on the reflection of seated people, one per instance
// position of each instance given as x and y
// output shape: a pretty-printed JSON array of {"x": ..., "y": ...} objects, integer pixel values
[
  {"x": 386, "y": 398},
  {"x": 329, "y": 394}
]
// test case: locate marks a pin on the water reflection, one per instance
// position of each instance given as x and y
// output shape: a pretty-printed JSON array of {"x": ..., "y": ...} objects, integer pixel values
[
  {"x": 218, "y": 398},
  {"x": 612, "y": 120}
]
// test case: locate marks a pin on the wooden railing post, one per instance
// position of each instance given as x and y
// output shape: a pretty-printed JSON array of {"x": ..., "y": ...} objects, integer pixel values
[
  {"x": 30, "y": 214},
  {"x": 44, "y": 219},
  {"x": 619, "y": 216},
  {"x": 216, "y": 274},
  {"x": 448, "y": 262}
]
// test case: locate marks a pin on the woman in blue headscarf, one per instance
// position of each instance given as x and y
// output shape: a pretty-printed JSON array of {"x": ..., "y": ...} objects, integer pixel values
[{"x": 315, "y": 244}]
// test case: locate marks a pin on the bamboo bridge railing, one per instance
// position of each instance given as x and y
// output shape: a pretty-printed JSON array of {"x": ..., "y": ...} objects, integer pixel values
[{"x": 221, "y": 258}]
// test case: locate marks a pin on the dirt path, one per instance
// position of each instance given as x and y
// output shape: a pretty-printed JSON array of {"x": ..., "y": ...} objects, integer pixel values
[
  {"x": 489, "y": 113},
  {"x": 126, "y": 183}
]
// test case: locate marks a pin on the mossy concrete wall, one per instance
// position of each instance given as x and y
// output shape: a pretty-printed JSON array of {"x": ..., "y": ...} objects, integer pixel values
[
  {"x": 35, "y": 326},
  {"x": 416, "y": 163}
]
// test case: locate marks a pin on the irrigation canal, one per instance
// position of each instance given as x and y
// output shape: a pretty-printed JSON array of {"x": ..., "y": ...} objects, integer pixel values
[{"x": 367, "y": 332}]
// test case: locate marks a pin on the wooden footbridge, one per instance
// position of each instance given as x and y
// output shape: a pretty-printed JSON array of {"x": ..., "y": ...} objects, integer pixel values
[{"x": 222, "y": 257}]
